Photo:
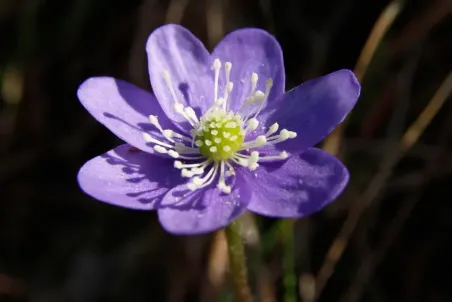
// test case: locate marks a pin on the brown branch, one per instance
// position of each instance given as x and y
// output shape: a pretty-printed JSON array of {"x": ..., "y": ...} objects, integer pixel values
[
  {"x": 340, "y": 242},
  {"x": 333, "y": 141}
]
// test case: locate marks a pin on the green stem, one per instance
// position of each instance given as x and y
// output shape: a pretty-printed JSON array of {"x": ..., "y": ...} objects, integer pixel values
[
  {"x": 290, "y": 279},
  {"x": 237, "y": 263}
]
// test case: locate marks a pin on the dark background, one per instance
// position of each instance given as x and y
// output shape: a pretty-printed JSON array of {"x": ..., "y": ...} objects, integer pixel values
[{"x": 56, "y": 244}]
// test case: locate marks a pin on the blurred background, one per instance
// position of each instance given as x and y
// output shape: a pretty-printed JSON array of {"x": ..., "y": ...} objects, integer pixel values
[{"x": 387, "y": 238}]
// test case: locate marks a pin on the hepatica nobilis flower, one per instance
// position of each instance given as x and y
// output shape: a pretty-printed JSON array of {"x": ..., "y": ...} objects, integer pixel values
[{"x": 219, "y": 134}]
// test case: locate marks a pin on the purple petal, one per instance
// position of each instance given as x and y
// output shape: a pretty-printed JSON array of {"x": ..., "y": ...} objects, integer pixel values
[
  {"x": 175, "y": 49},
  {"x": 123, "y": 108},
  {"x": 313, "y": 109},
  {"x": 252, "y": 50},
  {"x": 203, "y": 210},
  {"x": 297, "y": 187},
  {"x": 127, "y": 178}
]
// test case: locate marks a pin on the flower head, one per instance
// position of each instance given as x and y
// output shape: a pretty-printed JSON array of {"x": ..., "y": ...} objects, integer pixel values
[{"x": 219, "y": 135}]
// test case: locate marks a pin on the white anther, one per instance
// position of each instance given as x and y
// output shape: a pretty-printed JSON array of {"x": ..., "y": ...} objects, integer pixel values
[
  {"x": 252, "y": 124},
  {"x": 167, "y": 78},
  {"x": 168, "y": 133},
  {"x": 212, "y": 125},
  {"x": 254, "y": 156},
  {"x": 191, "y": 114},
  {"x": 217, "y": 140},
  {"x": 231, "y": 125},
  {"x": 292, "y": 134},
  {"x": 224, "y": 188},
  {"x": 269, "y": 83},
  {"x": 283, "y": 155},
  {"x": 178, "y": 164},
  {"x": 197, "y": 171},
  {"x": 233, "y": 138},
  {"x": 259, "y": 96},
  {"x": 213, "y": 149},
  {"x": 153, "y": 120},
  {"x": 227, "y": 69},
  {"x": 273, "y": 128},
  {"x": 226, "y": 134},
  {"x": 186, "y": 173},
  {"x": 197, "y": 181},
  {"x": 160, "y": 149},
  {"x": 166, "y": 75},
  {"x": 216, "y": 64},
  {"x": 191, "y": 186},
  {"x": 173, "y": 154},
  {"x": 179, "y": 108},
  {"x": 219, "y": 102},
  {"x": 261, "y": 140},
  {"x": 199, "y": 143},
  {"x": 226, "y": 148},
  {"x": 253, "y": 166},
  {"x": 214, "y": 132},
  {"x": 284, "y": 134},
  {"x": 254, "y": 79},
  {"x": 208, "y": 143}
]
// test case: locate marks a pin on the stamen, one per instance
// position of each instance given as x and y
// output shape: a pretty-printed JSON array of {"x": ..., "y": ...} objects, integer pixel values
[
  {"x": 260, "y": 141},
  {"x": 231, "y": 170},
  {"x": 149, "y": 139},
  {"x": 254, "y": 79},
  {"x": 167, "y": 78},
  {"x": 191, "y": 114},
  {"x": 221, "y": 182},
  {"x": 268, "y": 87},
  {"x": 252, "y": 124},
  {"x": 273, "y": 129},
  {"x": 281, "y": 156},
  {"x": 200, "y": 183},
  {"x": 180, "y": 136},
  {"x": 155, "y": 122},
  {"x": 160, "y": 149},
  {"x": 227, "y": 71},
  {"x": 179, "y": 108},
  {"x": 216, "y": 67}
]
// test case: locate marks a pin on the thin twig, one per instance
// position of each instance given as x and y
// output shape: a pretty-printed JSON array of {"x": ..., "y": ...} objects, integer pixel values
[
  {"x": 371, "y": 262},
  {"x": 421, "y": 25},
  {"x": 376, "y": 184},
  {"x": 430, "y": 111},
  {"x": 333, "y": 141},
  {"x": 176, "y": 11},
  {"x": 215, "y": 21}
]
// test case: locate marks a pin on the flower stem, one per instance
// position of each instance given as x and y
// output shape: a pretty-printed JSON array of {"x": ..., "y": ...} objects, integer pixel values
[
  {"x": 290, "y": 279},
  {"x": 237, "y": 263}
]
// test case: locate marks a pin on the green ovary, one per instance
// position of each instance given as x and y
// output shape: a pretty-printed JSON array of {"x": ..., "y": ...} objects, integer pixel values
[{"x": 220, "y": 139}]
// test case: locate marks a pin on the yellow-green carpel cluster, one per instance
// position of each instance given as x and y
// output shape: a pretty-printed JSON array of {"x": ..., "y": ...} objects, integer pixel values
[{"x": 219, "y": 135}]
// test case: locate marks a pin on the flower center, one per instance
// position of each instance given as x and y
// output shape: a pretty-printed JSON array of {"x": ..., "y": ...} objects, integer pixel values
[
  {"x": 218, "y": 139},
  {"x": 220, "y": 135}
]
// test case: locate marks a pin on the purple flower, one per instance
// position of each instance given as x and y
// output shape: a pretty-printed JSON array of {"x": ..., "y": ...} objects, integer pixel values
[{"x": 219, "y": 135}]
